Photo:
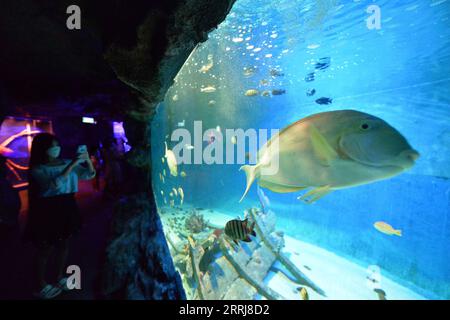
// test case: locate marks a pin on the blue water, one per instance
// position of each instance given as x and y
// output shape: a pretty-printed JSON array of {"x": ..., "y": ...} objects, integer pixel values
[{"x": 400, "y": 73}]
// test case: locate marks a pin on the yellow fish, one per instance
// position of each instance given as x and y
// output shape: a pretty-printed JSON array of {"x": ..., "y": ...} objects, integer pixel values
[
  {"x": 387, "y": 228},
  {"x": 265, "y": 93},
  {"x": 329, "y": 151},
  {"x": 181, "y": 193},
  {"x": 175, "y": 192},
  {"x": 171, "y": 161},
  {"x": 304, "y": 294},
  {"x": 381, "y": 294},
  {"x": 249, "y": 71},
  {"x": 206, "y": 67},
  {"x": 183, "y": 174},
  {"x": 251, "y": 92}
]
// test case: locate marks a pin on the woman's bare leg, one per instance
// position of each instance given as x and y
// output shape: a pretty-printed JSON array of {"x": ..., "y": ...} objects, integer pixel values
[
  {"x": 61, "y": 257},
  {"x": 41, "y": 264}
]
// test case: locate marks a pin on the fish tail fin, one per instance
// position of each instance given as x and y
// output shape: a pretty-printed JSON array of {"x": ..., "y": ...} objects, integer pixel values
[
  {"x": 398, "y": 232},
  {"x": 250, "y": 172}
]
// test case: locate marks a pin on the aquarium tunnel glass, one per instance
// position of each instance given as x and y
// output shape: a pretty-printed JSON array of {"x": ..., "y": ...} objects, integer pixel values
[{"x": 267, "y": 66}]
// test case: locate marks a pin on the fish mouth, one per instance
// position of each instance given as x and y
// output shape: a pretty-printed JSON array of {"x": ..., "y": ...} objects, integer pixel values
[{"x": 408, "y": 158}]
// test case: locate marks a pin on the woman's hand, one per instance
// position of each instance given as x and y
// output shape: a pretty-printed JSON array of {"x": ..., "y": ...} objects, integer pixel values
[
  {"x": 83, "y": 156},
  {"x": 80, "y": 158}
]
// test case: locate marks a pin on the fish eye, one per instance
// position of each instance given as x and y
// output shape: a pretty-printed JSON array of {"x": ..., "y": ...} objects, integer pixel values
[{"x": 364, "y": 126}]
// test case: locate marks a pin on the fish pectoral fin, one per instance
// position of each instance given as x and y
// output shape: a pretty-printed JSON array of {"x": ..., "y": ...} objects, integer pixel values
[
  {"x": 250, "y": 173},
  {"x": 279, "y": 188},
  {"x": 324, "y": 152},
  {"x": 315, "y": 194}
]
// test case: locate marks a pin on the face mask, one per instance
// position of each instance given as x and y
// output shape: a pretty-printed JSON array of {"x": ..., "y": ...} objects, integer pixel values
[{"x": 54, "y": 152}]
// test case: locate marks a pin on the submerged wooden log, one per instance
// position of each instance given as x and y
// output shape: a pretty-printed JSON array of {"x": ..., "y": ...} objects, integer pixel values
[
  {"x": 299, "y": 276},
  {"x": 195, "y": 268},
  {"x": 261, "y": 289},
  {"x": 172, "y": 244}
]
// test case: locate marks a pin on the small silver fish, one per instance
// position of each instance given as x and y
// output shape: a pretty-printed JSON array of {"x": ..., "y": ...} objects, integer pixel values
[{"x": 209, "y": 89}]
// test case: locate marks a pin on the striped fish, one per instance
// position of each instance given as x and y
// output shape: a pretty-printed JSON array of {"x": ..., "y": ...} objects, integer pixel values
[{"x": 239, "y": 230}]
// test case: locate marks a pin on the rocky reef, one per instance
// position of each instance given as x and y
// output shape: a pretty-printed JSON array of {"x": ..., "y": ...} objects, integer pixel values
[{"x": 164, "y": 40}]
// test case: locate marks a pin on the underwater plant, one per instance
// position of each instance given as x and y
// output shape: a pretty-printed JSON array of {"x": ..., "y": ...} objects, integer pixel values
[{"x": 195, "y": 222}]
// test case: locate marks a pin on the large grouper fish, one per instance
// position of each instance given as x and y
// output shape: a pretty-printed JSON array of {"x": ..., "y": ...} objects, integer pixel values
[{"x": 329, "y": 151}]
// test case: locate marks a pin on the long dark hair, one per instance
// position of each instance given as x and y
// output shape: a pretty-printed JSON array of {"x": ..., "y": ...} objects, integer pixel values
[
  {"x": 38, "y": 155},
  {"x": 41, "y": 143}
]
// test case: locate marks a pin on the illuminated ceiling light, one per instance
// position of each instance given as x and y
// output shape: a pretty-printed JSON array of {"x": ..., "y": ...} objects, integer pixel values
[{"x": 88, "y": 120}]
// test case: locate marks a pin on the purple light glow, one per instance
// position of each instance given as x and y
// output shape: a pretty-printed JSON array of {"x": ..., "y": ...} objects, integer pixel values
[{"x": 119, "y": 134}]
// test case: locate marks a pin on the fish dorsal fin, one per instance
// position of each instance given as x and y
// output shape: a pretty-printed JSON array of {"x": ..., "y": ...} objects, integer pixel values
[{"x": 322, "y": 148}]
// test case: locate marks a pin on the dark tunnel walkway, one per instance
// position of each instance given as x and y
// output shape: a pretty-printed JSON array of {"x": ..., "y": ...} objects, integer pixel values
[{"x": 86, "y": 250}]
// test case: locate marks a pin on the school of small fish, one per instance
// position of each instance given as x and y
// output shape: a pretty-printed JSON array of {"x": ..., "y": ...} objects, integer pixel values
[{"x": 325, "y": 152}]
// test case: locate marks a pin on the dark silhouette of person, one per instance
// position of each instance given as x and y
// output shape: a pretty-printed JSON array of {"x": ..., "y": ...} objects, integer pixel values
[
  {"x": 112, "y": 157},
  {"x": 9, "y": 202},
  {"x": 53, "y": 212}
]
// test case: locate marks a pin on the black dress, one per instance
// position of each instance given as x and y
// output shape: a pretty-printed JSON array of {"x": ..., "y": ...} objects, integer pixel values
[
  {"x": 52, "y": 219},
  {"x": 53, "y": 211}
]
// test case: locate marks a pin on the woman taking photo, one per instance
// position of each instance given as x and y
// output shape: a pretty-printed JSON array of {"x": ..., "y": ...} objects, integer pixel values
[{"x": 53, "y": 213}]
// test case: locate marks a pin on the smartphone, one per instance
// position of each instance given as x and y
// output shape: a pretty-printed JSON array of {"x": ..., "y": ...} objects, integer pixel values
[{"x": 81, "y": 149}]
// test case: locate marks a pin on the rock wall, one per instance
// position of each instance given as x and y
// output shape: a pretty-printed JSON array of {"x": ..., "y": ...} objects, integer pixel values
[{"x": 138, "y": 262}]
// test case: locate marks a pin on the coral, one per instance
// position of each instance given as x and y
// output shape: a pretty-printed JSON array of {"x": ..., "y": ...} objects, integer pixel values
[{"x": 195, "y": 222}]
